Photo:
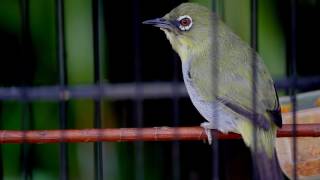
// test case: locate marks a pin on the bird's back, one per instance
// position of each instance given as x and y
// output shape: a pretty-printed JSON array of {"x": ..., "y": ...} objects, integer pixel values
[{"x": 230, "y": 74}]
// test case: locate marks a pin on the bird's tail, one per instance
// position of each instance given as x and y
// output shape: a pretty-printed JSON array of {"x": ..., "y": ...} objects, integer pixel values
[
  {"x": 266, "y": 168},
  {"x": 262, "y": 146}
]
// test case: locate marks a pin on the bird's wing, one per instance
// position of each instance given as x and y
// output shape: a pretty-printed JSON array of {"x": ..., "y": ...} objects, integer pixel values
[{"x": 230, "y": 82}]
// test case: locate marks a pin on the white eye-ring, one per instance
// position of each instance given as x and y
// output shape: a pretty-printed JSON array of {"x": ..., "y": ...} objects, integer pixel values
[{"x": 185, "y": 22}]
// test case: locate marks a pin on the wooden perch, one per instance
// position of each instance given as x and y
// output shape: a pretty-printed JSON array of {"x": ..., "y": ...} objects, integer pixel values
[
  {"x": 136, "y": 134},
  {"x": 152, "y": 134}
]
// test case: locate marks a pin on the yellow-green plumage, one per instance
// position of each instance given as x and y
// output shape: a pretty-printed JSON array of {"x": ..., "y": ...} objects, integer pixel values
[{"x": 217, "y": 70}]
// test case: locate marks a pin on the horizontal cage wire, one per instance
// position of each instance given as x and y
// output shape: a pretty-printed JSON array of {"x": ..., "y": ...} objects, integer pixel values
[{"x": 119, "y": 91}]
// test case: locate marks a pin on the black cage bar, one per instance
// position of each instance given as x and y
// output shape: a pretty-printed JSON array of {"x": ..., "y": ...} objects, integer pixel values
[
  {"x": 63, "y": 105},
  {"x": 96, "y": 14}
]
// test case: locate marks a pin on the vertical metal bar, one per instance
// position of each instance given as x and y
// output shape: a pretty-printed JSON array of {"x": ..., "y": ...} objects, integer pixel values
[
  {"x": 175, "y": 101},
  {"x": 26, "y": 164},
  {"x": 254, "y": 45},
  {"x": 215, "y": 82},
  {"x": 26, "y": 149},
  {"x": 293, "y": 77},
  {"x": 63, "y": 148},
  {"x": 176, "y": 112},
  {"x": 254, "y": 25},
  {"x": 220, "y": 9},
  {"x": 98, "y": 163},
  {"x": 138, "y": 102}
]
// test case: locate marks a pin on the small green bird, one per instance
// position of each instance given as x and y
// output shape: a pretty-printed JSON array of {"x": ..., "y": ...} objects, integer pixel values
[{"x": 217, "y": 71}]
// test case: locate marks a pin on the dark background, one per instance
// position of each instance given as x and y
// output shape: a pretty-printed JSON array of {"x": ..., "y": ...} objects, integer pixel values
[{"x": 134, "y": 52}]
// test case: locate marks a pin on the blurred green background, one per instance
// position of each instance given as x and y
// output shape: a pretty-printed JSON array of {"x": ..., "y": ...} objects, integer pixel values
[{"x": 39, "y": 67}]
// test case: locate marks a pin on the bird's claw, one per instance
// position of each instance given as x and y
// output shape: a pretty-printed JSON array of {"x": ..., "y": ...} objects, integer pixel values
[{"x": 207, "y": 129}]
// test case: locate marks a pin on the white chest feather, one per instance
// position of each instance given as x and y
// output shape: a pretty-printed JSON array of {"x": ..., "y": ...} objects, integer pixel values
[{"x": 214, "y": 112}]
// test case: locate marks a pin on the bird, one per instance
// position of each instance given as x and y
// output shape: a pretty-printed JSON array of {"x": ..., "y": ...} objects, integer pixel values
[{"x": 217, "y": 69}]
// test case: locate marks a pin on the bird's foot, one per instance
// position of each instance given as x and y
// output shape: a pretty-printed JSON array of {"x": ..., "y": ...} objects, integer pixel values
[{"x": 207, "y": 128}]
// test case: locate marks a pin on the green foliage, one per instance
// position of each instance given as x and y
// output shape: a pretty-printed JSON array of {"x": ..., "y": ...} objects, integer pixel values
[
  {"x": 10, "y": 118},
  {"x": 10, "y": 15}
]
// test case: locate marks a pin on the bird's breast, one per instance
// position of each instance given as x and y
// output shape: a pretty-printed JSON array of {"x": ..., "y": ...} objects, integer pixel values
[
  {"x": 204, "y": 107},
  {"x": 211, "y": 111}
]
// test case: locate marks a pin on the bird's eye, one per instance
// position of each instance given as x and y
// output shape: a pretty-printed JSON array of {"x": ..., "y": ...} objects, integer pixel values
[{"x": 185, "y": 22}]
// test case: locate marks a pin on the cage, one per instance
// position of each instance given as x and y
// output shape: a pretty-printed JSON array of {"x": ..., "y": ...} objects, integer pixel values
[{"x": 85, "y": 87}]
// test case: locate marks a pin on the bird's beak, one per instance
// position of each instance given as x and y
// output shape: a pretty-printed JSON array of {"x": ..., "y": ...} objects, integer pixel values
[{"x": 160, "y": 22}]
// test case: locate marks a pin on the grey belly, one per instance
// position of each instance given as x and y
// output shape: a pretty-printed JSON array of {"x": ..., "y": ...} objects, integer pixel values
[{"x": 214, "y": 112}]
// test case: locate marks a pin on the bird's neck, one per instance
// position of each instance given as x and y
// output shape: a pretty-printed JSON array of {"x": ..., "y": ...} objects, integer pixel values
[
  {"x": 197, "y": 52},
  {"x": 187, "y": 48}
]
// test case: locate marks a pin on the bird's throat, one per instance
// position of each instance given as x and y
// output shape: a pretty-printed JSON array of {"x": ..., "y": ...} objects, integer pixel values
[{"x": 186, "y": 47}]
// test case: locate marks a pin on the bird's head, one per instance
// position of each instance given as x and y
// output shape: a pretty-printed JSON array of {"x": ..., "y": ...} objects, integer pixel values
[{"x": 188, "y": 27}]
